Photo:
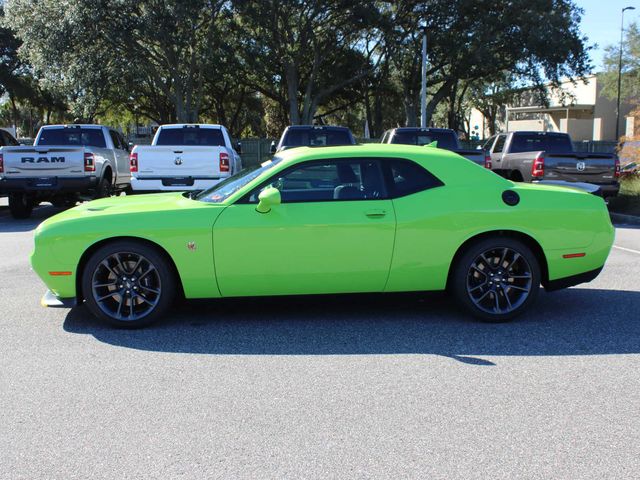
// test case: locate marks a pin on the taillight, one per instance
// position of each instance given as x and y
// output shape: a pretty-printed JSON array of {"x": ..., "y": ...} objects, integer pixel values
[
  {"x": 1, "y": 163},
  {"x": 487, "y": 161},
  {"x": 616, "y": 172},
  {"x": 133, "y": 162},
  {"x": 89, "y": 162},
  {"x": 224, "y": 162},
  {"x": 537, "y": 168}
]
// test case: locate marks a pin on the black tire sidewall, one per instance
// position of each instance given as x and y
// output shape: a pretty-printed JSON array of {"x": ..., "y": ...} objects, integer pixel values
[
  {"x": 20, "y": 206},
  {"x": 461, "y": 269},
  {"x": 165, "y": 271},
  {"x": 103, "y": 190}
]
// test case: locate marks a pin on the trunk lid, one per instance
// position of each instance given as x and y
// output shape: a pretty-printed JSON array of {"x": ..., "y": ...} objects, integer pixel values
[
  {"x": 43, "y": 161},
  {"x": 580, "y": 167},
  {"x": 177, "y": 161}
]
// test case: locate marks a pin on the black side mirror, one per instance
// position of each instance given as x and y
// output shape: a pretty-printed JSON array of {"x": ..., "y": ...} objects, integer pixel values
[
  {"x": 273, "y": 147},
  {"x": 239, "y": 148}
]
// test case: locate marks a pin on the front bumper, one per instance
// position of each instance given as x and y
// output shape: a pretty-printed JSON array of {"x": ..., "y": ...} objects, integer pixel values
[
  {"x": 49, "y": 299},
  {"x": 48, "y": 184}
]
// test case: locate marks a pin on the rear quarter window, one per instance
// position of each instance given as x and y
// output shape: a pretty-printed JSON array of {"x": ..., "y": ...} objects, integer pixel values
[{"x": 407, "y": 177}]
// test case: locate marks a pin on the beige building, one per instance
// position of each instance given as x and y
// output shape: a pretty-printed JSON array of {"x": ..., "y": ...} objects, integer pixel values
[{"x": 578, "y": 109}]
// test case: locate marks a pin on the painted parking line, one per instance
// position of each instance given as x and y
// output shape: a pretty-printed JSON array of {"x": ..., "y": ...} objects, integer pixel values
[{"x": 627, "y": 249}]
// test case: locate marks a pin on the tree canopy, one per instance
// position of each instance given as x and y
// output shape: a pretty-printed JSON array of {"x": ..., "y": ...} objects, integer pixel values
[{"x": 258, "y": 65}]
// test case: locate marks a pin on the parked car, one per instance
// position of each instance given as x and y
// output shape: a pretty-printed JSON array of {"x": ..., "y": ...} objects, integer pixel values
[
  {"x": 541, "y": 156},
  {"x": 184, "y": 157},
  {"x": 313, "y": 136},
  {"x": 65, "y": 163},
  {"x": 376, "y": 218},
  {"x": 445, "y": 138}
]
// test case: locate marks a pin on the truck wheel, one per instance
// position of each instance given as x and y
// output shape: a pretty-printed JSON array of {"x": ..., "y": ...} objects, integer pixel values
[
  {"x": 20, "y": 205},
  {"x": 103, "y": 189},
  {"x": 496, "y": 279}
]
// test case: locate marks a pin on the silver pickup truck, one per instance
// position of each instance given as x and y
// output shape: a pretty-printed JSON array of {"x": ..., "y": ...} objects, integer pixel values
[
  {"x": 549, "y": 156},
  {"x": 65, "y": 163}
]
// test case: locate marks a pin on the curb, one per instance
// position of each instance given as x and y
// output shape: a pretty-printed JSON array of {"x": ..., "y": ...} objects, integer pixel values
[{"x": 627, "y": 219}]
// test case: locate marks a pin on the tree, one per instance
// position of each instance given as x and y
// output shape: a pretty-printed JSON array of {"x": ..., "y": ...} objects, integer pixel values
[
  {"x": 299, "y": 53},
  {"x": 475, "y": 41},
  {"x": 630, "y": 84}
]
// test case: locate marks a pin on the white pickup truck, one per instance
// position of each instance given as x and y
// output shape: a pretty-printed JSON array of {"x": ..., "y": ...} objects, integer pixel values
[
  {"x": 184, "y": 157},
  {"x": 65, "y": 163}
]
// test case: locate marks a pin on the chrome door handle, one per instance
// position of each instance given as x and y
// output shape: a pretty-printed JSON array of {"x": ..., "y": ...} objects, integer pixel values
[{"x": 375, "y": 213}]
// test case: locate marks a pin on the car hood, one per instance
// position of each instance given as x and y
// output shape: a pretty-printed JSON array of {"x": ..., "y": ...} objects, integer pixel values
[{"x": 130, "y": 204}]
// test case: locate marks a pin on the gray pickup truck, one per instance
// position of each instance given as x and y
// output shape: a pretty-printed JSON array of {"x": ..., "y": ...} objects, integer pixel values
[
  {"x": 446, "y": 139},
  {"x": 64, "y": 163},
  {"x": 549, "y": 157}
]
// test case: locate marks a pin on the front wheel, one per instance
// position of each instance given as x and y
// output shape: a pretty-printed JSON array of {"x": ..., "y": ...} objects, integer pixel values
[
  {"x": 128, "y": 284},
  {"x": 496, "y": 279}
]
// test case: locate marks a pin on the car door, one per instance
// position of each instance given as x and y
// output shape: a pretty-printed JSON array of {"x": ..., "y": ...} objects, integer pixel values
[
  {"x": 121, "y": 156},
  {"x": 497, "y": 153},
  {"x": 332, "y": 233}
]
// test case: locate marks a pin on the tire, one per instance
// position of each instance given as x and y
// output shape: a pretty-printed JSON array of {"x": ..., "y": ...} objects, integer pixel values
[
  {"x": 128, "y": 284},
  {"x": 103, "y": 189},
  {"x": 20, "y": 205},
  {"x": 500, "y": 286}
]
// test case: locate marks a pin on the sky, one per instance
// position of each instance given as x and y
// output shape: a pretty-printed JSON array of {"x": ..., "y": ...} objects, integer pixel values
[{"x": 601, "y": 23}]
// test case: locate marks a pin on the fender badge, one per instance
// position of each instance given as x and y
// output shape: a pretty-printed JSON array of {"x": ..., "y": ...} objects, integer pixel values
[{"x": 191, "y": 246}]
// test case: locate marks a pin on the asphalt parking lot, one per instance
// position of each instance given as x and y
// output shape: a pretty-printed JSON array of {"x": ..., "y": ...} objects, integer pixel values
[{"x": 338, "y": 387}]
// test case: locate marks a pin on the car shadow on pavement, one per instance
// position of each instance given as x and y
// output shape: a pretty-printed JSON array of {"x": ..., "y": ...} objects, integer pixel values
[
  {"x": 577, "y": 321},
  {"x": 9, "y": 224}
]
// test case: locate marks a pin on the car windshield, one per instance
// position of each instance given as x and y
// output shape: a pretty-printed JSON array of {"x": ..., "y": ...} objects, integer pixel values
[
  {"x": 209, "y": 137},
  {"x": 223, "y": 190},
  {"x": 88, "y": 137}
]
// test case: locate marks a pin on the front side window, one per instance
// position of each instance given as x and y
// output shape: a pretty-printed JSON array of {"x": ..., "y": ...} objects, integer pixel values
[
  {"x": 408, "y": 177},
  {"x": 499, "y": 146},
  {"x": 328, "y": 180}
]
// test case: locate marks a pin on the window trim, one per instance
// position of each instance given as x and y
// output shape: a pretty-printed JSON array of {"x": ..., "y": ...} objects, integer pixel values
[{"x": 385, "y": 195}]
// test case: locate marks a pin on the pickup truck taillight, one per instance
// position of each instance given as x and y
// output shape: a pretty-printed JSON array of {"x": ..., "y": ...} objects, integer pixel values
[
  {"x": 133, "y": 162},
  {"x": 1, "y": 163},
  {"x": 487, "y": 161},
  {"x": 537, "y": 168},
  {"x": 224, "y": 162},
  {"x": 89, "y": 162},
  {"x": 616, "y": 172}
]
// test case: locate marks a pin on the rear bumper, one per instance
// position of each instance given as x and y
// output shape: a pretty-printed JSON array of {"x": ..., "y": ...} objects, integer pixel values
[
  {"x": 173, "y": 184},
  {"x": 567, "y": 282},
  {"x": 47, "y": 184},
  {"x": 49, "y": 299}
]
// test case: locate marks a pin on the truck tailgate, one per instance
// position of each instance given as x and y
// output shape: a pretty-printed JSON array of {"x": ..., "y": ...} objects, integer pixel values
[
  {"x": 43, "y": 161},
  {"x": 580, "y": 167},
  {"x": 187, "y": 161}
]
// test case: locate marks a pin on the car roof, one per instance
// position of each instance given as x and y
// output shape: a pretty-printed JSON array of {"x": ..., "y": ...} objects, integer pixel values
[
  {"x": 315, "y": 127},
  {"x": 422, "y": 129}
]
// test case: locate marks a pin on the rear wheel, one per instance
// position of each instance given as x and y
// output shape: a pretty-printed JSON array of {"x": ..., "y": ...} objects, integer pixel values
[
  {"x": 496, "y": 279},
  {"x": 103, "y": 189},
  {"x": 128, "y": 284},
  {"x": 20, "y": 205}
]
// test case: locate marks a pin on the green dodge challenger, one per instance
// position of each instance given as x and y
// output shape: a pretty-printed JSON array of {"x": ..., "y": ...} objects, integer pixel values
[{"x": 362, "y": 218}]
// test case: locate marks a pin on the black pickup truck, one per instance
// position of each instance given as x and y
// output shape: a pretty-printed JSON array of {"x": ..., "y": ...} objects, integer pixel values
[
  {"x": 445, "y": 138},
  {"x": 313, "y": 136},
  {"x": 549, "y": 156}
]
